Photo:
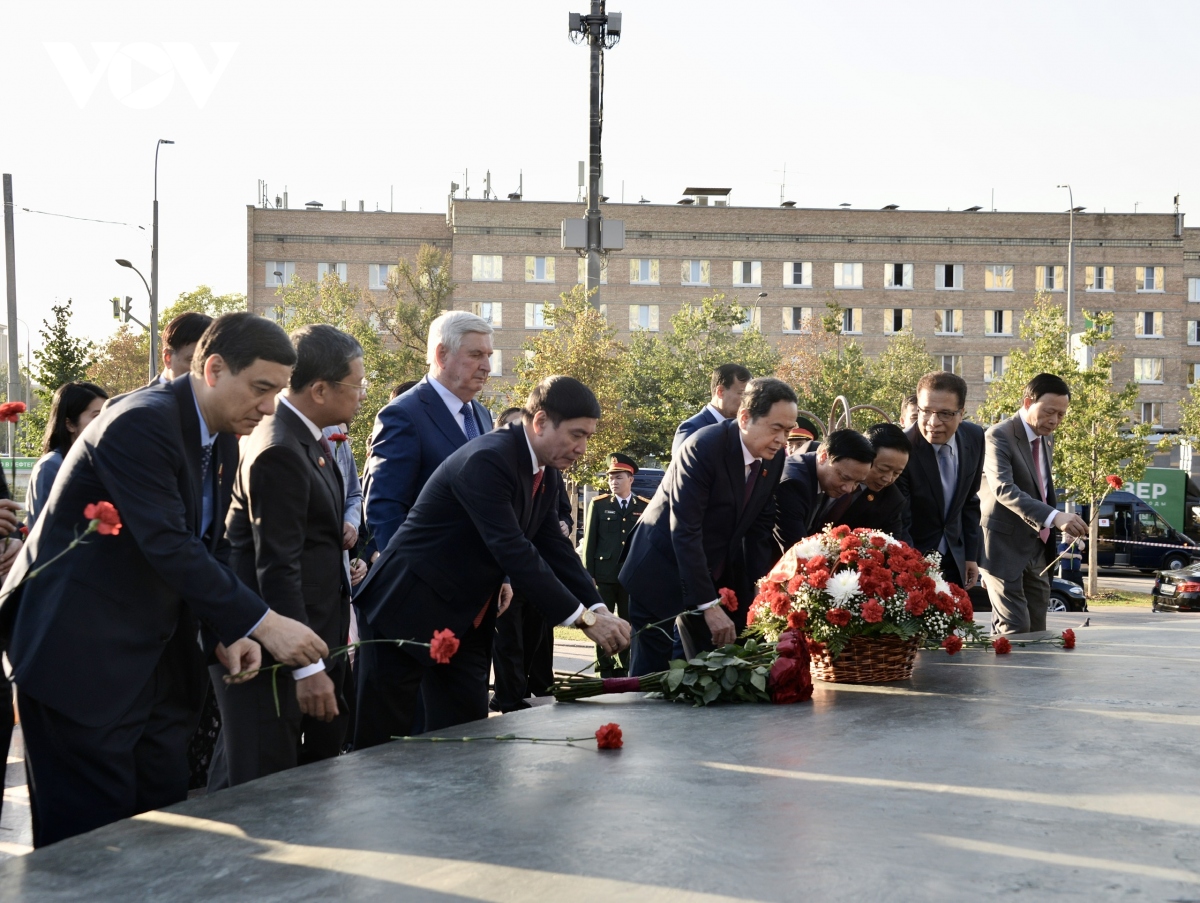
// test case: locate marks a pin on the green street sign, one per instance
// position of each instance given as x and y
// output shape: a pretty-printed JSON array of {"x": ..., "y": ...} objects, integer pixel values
[{"x": 1165, "y": 490}]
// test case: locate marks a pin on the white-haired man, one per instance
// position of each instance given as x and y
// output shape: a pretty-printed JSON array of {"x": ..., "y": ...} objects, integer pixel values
[{"x": 413, "y": 434}]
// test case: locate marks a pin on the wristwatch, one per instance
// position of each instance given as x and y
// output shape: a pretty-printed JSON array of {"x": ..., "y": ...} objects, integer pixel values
[{"x": 587, "y": 619}]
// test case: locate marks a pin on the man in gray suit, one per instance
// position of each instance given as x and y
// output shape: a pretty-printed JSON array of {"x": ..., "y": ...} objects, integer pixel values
[{"x": 1017, "y": 508}]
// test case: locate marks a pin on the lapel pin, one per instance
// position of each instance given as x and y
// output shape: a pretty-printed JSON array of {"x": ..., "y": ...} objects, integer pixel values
[
  {"x": 321, "y": 461},
  {"x": 870, "y": 497},
  {"x": 764, "y": 472}
]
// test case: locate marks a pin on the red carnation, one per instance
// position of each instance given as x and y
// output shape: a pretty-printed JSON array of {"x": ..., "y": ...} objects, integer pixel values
[
  {"x": 443, "y": 646},
  {"x": 103, "y": 516},
  {"x": 850, "y": 556},
  {"x": 789, "y": 680},
  {"x": 872, "y": 611},
  {"x": 1114, "y": 481},
  {"x": 1002, "y": 645},
  {"x": 838, "y": 617},
  {"x": 728, "y": 598},
  {"x": 11, "y": 411},
  {"x": 797, "y": 620},
  {"x": 916, "y": 604},
  {"x": 24, "y": 530},
  {"x": 816, "y": 563},
  {"x": 781, "y": 603},
  {"x": 816, "y": 647},
  {"x": 878, "y": 542},
  {"x": 952, "y": 644},
  {"x": 1068, "y": 638},
  {"x": 795, "y": 583},
  {"x": 839, "y": 531},
  {"x": 608, "y": 736},
  {"x": 818, "y": 579},
  {"x": 339, "y": 438}
]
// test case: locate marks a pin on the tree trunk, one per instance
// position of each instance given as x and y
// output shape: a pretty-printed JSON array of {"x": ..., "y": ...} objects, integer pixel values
[{"x": 1093, "y": 581}]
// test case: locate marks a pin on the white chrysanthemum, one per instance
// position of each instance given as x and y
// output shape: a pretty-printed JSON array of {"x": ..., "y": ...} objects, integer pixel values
[
  {"x": 940, "y": 585},
  {"x": 842, "y": 586},
  {"x": 807, "y": 548}
]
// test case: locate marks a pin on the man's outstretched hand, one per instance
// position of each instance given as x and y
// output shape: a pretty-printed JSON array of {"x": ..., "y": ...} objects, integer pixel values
[
  {"x": 240, "y": 657},
  {"x": 609, "y": 632},
  {"x": 289, "y": 641}
]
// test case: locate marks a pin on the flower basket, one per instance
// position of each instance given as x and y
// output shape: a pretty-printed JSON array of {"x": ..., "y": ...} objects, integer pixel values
[{"x": 866, "y": 660}]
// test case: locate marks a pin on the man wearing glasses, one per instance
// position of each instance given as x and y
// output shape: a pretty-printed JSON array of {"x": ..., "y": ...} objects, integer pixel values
[{"x": 942, "y": 478}]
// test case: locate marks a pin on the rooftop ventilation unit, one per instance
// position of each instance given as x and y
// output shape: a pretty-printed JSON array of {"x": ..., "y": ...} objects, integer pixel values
[
  {"x": 313, "y": 205},
  {"x": 890, "y": 207},
  {"x": 705, "y": 197},
  {"x": 788, "y": 204},
  {"x": 974, "y": 209}
]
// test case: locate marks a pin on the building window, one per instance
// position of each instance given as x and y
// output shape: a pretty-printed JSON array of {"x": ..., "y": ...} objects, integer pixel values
[
  {"x": 539, "y": 269},
  {"x": 948, "y": 276},
  {"x": 381, "y": 274},
  {"x": 643, "y": 271},
  {"x": 487, "y": 268},
  {"x": 948, "y": 322},
  {"x": 747, "y": 272},
  {"x": 694, "y": 272},
  {"x": 1148, "y": 279},
  {"x": 1049, "y": 278},
  {"x": 497, "y": 363},
  {"x": 488, "y": 310},
  {"x": 997, "y": 322},
  {"x": 753, "y": 319},
  {"x": 847, "y": 275},
  {"x": 1193, "y": 332},
  {"x": 1148, "y": 369},
  {"x": 1152, "y": 412},
  {"x": 852, "y": 321},
  {"x": 325, "y": 269},
  {"x": 1098, "y": 279},
  {"x": 1193, "y": 289},
  {"x": 797, "y": 274},
  {"x": 797, "y": 319},
  {"x": 583, "y": 271},
  {"x": 897, "y": 275},
  {"x": 535, "y": 314},
  {"x": 897, "y": 319},
  {"x": 998, "y": 277},
  {"x": 1148, "y": 324},
  {"x": 285, "y": 270},
  {"x": 643, "y": 316},
  {"x": 994, "y": 366},
  {"x": 1192, "y": 371},
  {"x": 952, "y": 363}
]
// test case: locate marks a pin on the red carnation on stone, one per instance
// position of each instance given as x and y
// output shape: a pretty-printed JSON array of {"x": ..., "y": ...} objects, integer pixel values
[
  {"x": 872, "y": 611},
  {"x": 1002, "y": 645},
  {"x": 608, "y": 736},
  {"x": 1114, "y": 481},
  {"x": 103, "y": 516},
  {"x": 838, "y": 617},
  {"x": 728, "y": 598},
  {"x": 11, "y": 411},
  {"x": 443, "y": 646},
  {"x": 952, "y": 644},
  {"x": 1068, "y": 638},
  {"x": 797, "y": 620}
]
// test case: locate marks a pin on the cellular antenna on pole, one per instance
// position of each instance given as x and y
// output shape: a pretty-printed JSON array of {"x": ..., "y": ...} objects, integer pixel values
[{"x": 601, "y": 30}]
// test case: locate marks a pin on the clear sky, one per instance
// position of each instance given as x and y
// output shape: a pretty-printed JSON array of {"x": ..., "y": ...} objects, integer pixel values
[{"x": 925, "y": 104}]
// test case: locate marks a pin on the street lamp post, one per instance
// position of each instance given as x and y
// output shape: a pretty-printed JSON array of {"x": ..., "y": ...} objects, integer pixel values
[
  {"x": 754, "y": 309},
  {"x": 153, "y": 316},
  {"x": 154, "y": 269},
  {"x": 1070, "y": 264}
]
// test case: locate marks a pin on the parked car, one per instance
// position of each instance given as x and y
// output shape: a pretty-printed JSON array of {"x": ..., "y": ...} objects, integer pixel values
[
  {"x": 1177, "y": 590},
  {"x": 646, "y": 480},
  {"x": 1124, "y": 516},
  {"x": 1064, "y": 596}
]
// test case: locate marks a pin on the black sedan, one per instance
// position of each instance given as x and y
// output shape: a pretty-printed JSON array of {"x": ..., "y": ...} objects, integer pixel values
[
  {"x": 1064, "y": 596},
  {"x": 1177, "y": 590}
]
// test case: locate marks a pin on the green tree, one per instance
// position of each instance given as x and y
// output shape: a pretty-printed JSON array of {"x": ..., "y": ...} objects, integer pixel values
[
  {"x": 202, "y": 300},
  {"x": 895, "y": 373},
  {"x": 417, "y": 293},
  {"x": 63, "y": 358},
  {"x": 1098, "y": 437},
  {"x": 122, "y": 362},
  {"x": 580, "y": 343},
  {"x": 666, "y": 376},
  {"x": 845, "y": 371}
]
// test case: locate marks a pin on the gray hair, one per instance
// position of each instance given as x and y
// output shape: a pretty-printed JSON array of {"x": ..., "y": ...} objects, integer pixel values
[{"x": 448, "y": 331}]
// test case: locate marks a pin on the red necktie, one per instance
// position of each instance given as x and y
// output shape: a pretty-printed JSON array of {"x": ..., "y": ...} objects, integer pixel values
[
  {"x": 537, "y": 481},
  {"x": 1044, "y": 533}
]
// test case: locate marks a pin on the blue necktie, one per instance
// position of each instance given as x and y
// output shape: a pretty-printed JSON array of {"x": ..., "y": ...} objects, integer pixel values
[
  {"x": 206, "y": 502},
  {"x": 472, "y": 429},
  {"x": 949, "y": 481}
]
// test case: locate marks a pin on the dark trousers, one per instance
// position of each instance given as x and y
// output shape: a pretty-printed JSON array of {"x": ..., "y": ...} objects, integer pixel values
[
  {"x": 650, "y": 650},
  {"x": 391, "y": 681},
  {"x": 522, "y": 656},
  {"x": 82, "y": 777},
  {"x": 6, "y": 723},
  {"x": 256, "y": 740},
  {"x": 617, "y": 600}
]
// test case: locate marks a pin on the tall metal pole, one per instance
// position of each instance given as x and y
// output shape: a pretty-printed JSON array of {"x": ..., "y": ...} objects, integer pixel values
[
  {"x": 595, "y": 29},
  {"x": 10, "y": 265},
  {"x": 154, "y": 270},
  {"x": 1070, "y": 265}
]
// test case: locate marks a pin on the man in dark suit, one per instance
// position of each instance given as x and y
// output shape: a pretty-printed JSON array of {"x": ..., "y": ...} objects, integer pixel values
[
  {"x": 103, "y": 644},
  {"x": 414, "y": 433},
  {"x": 879, "y": 504},
  {"x": 817, "y": 487},
  {"x": 727, "y": 385},
  {"x": 611, "y": 519},
  {"x": 179, "y": 340},
  {"x": 1018, "y": 507},
  {"x": 941, "y": 481},
  {"x": 286, "y": 528},
  {"x": 490, "y": 511},
  {"x": 709, "y": 527}
]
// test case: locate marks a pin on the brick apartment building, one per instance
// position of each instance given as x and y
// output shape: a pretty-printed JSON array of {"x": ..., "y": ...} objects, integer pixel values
[{"x": 959, "y": 280}]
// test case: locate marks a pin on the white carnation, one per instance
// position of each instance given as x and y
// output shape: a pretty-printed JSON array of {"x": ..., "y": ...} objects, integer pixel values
[
  {"x": 807, "y": 548},
  {"x": 940, "y": 585},
  {"x": 842, "y": 586}
]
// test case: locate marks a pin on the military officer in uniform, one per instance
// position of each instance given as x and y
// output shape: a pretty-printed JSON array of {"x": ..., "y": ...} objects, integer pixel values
[{"x": 610, "y": 519}]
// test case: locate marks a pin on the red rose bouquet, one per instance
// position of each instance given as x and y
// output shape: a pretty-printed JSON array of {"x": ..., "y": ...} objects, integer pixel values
[{"x": 843, "y": 583}]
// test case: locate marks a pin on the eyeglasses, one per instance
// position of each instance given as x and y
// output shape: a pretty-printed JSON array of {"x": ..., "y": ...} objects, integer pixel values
[
  {"x": 363, "y": 387},
  {"x": 943, "y": 416}
]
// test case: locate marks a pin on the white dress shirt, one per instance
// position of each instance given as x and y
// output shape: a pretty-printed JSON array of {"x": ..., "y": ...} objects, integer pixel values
[
  {"x": 716, "y": 412},
  {"x": 454, "y": 406},
  {"x": 1045, "y": 463}
]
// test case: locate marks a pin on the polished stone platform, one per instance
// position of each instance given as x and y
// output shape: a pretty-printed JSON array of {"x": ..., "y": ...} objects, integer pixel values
[{"x": 1044, "y": 774}]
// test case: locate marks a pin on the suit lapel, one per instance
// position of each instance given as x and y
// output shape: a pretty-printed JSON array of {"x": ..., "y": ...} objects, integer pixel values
[
  {"x": 927, "y": 461},
  {"x": 440, "y": 414},
  {"x": 327, "y": 473},
  {"x": 524, "y": 467},
  {"x": 189, "y": 420},
  {"x": 736, "y": 468}
]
